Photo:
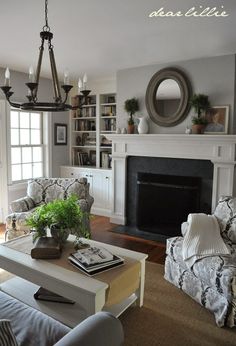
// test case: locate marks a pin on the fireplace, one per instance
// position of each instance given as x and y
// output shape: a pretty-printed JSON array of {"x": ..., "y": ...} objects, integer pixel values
[
  {"x": 161, "y": 192},
  {"x": 218, "y": 151},
  {"x": 164, "y": 202}
]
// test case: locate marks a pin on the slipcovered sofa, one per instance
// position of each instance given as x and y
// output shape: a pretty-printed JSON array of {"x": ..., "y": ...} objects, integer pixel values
[
  {"x": 40, "y": 191},
  {"x": 211, "y": 281},
  {"x": 30, "y": 327}
]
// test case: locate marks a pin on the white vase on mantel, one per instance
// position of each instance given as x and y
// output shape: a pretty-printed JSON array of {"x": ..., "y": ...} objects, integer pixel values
[{"x": 143, "y": 125}]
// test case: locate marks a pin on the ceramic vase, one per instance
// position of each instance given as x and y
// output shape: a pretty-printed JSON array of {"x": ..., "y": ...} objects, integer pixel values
[
  {"x": 59, "y": 234},
  {"x": 143, "y": 125}
]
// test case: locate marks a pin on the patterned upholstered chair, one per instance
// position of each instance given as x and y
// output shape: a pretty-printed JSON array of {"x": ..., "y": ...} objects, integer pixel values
[
  {"x": 211, "y": 281},
  {"x": 40, "y": 191}
]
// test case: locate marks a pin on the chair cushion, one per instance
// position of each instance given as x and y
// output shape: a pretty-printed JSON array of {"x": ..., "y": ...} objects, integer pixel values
[
  {"x": 47, "y": 190},
  {"x": 225, "y": 213},
  {"x": 31, "y": 327}
]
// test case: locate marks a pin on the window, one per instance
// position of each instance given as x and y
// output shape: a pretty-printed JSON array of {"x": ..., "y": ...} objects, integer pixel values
[{"x": 26, "y": 145}]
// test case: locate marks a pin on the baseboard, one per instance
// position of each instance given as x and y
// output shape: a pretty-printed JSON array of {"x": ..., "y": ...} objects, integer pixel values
[
  {"x": 118, "y": 220},
  {"x": 101, "y": 211}
]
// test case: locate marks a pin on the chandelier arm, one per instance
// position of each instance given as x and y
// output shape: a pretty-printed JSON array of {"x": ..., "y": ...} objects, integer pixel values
[
  {"x": 57, "y": 93},
  {"x": 13, "y": 104},
  {"x": 38, "y": 70}
]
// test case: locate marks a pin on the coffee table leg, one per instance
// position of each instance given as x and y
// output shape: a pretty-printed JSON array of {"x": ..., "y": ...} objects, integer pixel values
[{"x": 142, "y": 282}]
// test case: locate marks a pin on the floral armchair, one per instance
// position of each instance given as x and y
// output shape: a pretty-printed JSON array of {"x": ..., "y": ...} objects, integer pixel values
[
  {"x": 211, "y": 281},
  {"x": 40, "y": 191}
]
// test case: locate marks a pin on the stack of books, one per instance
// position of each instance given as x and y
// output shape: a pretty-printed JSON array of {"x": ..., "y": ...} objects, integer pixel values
[{"x": 94, "y": 260}]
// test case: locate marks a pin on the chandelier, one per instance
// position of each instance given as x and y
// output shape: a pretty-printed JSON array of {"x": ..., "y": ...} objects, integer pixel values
[{"x": 60, "y": 103}]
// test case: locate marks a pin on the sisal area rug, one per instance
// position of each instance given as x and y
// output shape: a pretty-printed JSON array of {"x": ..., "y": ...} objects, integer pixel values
[{"x": 171, "y": 318}]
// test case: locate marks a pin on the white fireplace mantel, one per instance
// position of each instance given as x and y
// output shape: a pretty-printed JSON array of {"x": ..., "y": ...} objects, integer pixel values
[{"x": 219, "y": 149}]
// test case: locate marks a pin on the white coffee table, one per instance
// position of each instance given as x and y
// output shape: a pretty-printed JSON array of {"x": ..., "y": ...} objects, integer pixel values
[{"x": 88, "y": 292}]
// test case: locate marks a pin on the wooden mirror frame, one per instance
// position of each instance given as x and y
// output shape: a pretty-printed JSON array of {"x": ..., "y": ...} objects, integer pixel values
[{"x": 151, "y": 101}]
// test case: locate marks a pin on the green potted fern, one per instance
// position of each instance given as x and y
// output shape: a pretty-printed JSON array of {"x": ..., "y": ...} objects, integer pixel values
[
  {"x": 62, "y": 217},
  {"x": 201, "y": 104},
  {"x": 131, "y": 106}
]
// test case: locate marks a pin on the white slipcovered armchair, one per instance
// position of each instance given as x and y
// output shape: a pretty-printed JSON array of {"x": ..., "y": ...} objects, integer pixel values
[
  {"x": 40, "y": 191},
  {"x": 211, "y": 280}
]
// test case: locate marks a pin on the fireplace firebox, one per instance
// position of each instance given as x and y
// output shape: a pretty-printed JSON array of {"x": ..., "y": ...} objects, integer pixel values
[
  {"x": 164, "y": 201},
  {"x": 161, "y": 192}
]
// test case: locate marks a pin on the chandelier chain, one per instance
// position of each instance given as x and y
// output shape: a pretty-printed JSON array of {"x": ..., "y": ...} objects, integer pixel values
[{"x": 46, "y": 26}]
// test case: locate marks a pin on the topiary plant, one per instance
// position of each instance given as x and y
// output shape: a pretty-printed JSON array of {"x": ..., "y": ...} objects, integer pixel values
[
  {"x": 200, "y": 103},
  {"x": 131, "y": 106}
]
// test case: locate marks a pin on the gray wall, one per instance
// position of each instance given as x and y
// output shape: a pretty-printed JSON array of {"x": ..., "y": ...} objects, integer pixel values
[
  {"x": 60, "y": 154},
  {"x": 212, "y": 76}
]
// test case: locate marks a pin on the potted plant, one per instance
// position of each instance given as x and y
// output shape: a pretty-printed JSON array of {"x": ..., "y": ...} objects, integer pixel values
[
  {"x": 131, "y": 106},
  {"x": 200, "y": 104},
  {"x": 39, "y": 222},
  {"x": 62, "y": 217}
]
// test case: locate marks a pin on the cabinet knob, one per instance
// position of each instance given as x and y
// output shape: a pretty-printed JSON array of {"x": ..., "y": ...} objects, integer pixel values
[
  {"x": 91, "y": 176},
  {"x": 86, "y": 175},
  {"x": 72, "y": 174},
  {"x": 107, "y": 177}
]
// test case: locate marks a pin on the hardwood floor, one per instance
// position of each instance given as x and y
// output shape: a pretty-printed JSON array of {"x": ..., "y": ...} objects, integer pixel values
[{"x": 101, "y": 230}]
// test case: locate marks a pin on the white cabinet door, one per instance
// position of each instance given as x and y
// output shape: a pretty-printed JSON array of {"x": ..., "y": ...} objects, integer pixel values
[
  {"x": 74, "y": 172},
  {"x": 107, "y": 190},
  {"x": 100, "y": 186},
  {"x": 96, "y": 187},
  {"x": 68, "y": 172}
]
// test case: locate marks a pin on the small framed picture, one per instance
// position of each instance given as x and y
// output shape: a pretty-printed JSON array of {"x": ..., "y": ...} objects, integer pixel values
[
  {"x": 218, "y": 120},
  {"x": 60, "y": 134}
]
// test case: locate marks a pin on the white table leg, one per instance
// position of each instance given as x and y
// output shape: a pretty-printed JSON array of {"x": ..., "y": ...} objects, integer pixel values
[{"x": 142, "y": 282}]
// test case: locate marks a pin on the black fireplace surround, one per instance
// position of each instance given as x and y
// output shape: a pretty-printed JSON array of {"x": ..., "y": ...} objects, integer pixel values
[{"x": 161, "y": 192}]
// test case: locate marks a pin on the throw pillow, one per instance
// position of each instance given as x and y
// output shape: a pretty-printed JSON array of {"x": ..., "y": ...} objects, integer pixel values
[{"x": 7, "y": 337}]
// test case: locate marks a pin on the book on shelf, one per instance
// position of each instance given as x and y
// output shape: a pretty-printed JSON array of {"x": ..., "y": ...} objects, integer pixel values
[
  {"x": 93, "y": 260},
  {"x": 83, "y": 158},
  {"x": 43, "y": 294},
  {"x": 105, "y": 159}
]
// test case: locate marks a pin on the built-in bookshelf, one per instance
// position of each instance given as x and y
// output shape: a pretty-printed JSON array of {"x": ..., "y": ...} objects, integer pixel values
[
  {"x": 89, "y": 127},
  {"x": 83, "y": 133},
  {"x": 107, "y": 118}
]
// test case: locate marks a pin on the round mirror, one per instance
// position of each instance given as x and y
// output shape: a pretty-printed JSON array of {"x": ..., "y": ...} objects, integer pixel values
[{"x": 167, "y": 97}]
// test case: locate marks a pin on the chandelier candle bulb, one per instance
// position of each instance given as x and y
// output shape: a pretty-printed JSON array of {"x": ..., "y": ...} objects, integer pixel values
[
  {"x": 31, "y": 75},
  {"x": 7, "y": 77},
  {"x": 66, "y": 78},
  {"x": 85, "y": 79},
  {"x": 80, "y": 84}
]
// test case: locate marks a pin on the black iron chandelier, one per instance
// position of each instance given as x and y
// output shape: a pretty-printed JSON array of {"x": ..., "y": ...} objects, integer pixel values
[{"x": 60, "y": 104}]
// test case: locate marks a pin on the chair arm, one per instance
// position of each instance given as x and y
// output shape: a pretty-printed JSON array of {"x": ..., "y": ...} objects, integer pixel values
[
  {"x": 101, "y": 329},
  {"x": 85, "y": 204},
  {"x": 22, "y": 204}
]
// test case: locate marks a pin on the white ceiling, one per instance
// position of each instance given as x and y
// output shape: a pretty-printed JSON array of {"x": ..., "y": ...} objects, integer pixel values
[{"x": 102, "y": 36}]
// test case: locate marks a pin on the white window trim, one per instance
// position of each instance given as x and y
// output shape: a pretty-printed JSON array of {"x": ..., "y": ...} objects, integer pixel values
[
  {"x": 47, "y": 149},
  {"x": 3, "y": 161}
]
